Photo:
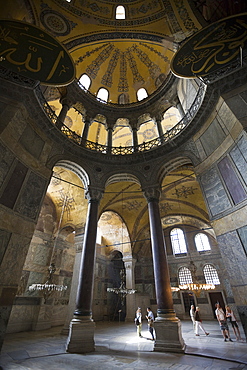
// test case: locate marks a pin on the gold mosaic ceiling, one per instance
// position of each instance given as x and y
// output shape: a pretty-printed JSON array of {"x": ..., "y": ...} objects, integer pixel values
[{"x": 123, "y": 55}]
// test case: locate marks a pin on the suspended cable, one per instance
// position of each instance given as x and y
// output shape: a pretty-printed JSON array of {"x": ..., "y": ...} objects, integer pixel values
[
  {"x": 142, "y": 240},
  {"x": 122, "y": 191}
]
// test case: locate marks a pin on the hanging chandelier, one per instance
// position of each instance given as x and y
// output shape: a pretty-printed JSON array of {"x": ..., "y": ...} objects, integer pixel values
[
  {"x": 48, "y": 287},
  {"x": 194, "y": 286},
  {"x": 122, "y": 291}
]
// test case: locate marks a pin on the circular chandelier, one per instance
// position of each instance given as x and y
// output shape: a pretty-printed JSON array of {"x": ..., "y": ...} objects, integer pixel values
[
  {"x": 122, "y": 291},
  {"x": 48, "y": 287}
]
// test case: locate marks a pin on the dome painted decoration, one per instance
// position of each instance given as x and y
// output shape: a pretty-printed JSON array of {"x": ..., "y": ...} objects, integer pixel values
[{"x": 30, "y": 51}]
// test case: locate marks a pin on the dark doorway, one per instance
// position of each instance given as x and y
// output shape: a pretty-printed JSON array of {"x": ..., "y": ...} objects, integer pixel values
[
  {"x": 116, "y": 306},
  {"x": 188, "y": 299},
  {"x": 216, "y": 297}
]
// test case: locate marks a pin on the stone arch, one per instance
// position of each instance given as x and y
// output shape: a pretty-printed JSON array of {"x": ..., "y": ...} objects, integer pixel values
[
  {"x": 122, "y": 177},
  {"x": 117, "y": 234},
  {"x": 77, "y": 169}
]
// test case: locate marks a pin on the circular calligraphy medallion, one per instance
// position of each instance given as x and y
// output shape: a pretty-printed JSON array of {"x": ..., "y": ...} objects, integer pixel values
[
  {"x": 212, "y": 48},
  {"x": 33, "y": 53}
]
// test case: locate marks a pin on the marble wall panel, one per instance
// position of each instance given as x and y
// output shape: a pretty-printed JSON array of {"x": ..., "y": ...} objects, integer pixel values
[
  {"x": 4, "y": 240},
  {"x": 201, "y": 150},
  {"x": 231, "y": 180},
  {"x": 242, "y": 232},
  {"x": 216, "y": 197},
  {"x": 32, "y": 142},
  {"x": 6, "y": 160},
  {"x": 4, "y": 318},
  {"x": 42, "y": 255},
  {"x": 239, "y": 157},
  {"x": 242, "y": 310},
  {"x": 13, "y": 186},
  {"x": 238, "y": 106},
  {"x": 68, "y": 260},
  {"x": 212, "y": 138},
  {"x": 14, "y": 259},
  {"x": 234, "y": 258},
  {"x": 34, "y": 278},
  {"x": 226, "y": 118},
  {"x": 21, "y": 318},
  {"x": 29, "y": 201}
]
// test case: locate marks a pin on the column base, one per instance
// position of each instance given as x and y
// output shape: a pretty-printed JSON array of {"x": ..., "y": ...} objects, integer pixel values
[
  {"x": 81, "y": 335},
  {"x": 168, "y": 334}
]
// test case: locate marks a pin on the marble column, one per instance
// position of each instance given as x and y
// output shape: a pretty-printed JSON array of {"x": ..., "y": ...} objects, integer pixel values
[
  {"x": 167, "y": 326},
  {"x": 82, "y": 326},
  {"x": 129, "y": 264},
  {"x": 109, "y": 139},
  {"x": 159, "y": 128},
  {"x": 87, "y": 123},
  {"x": 135, "y": 138},
  {"x": 66, "y": 104},
  {"x": 79, "y": 237}
]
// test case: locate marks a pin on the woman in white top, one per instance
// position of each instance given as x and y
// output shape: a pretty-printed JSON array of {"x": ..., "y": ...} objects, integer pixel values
[
  {"x": 138, "y": 321},
  {"x": 233, "y": 321},
  {"x": 192, "y": 316}
]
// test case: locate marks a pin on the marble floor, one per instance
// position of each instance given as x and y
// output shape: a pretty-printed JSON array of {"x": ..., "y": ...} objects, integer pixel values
[{"x": 118, "y": 347}]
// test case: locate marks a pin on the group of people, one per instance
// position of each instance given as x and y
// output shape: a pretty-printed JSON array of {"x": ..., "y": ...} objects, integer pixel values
[
  {"x": 222, "y": 317},
  {"x": 138, "y": 322}
]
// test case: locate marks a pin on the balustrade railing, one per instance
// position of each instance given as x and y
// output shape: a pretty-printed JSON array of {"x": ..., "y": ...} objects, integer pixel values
[{"x": 146, "y": 146}]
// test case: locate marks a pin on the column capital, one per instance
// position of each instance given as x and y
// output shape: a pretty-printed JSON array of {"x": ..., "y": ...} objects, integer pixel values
[
  {"x": 93, "y": 194},
  {"x": 87, "y": 120},
  {"x": 129, "y": 262},
  {"x": 66, "y": 101},
  {"x": 158, "y": 118},
  {"x": 152, "y": 193}
]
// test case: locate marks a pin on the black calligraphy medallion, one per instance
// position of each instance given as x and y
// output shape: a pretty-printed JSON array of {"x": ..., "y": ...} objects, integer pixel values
[
  {"x": 212, "y": 48},
  {"x": 33, "y": 53}
]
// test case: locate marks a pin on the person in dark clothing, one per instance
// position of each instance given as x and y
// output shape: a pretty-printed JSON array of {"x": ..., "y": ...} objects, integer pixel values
[{"x": 198, "y": 322}]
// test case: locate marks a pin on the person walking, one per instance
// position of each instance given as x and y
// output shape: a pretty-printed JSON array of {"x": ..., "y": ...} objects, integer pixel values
[
  {"x": 138, "y": 321},
  {"x": 221, "y": 317},
  {"x": 192, "y": 316},
  {"x": 198, "y": 323},
  {"x": 232, "y": 318},
  {"x": 150, "y": 318}
]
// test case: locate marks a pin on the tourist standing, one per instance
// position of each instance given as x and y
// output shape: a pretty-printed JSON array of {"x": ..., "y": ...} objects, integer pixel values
[
  {"x": 150, "y": 318},
  {"x": 192, "y": 316},
  {"x": 138, "y": 321},
  {"x": 198, "y": 323},
  {"x": 221, "y": 317},
  {"x": 231, "y": 317}
]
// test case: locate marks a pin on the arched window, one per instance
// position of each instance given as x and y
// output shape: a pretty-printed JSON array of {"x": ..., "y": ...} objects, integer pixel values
[
  {"x": 184, "y": 276},
  {"x": 211, "y": 275},
  {"x": 142, "y": 94},
  {"x": 120, "y": 12},
  {"x": 103, "y": 94},
  {"x": 178, "y": 241},
  {"x": 85, "y": 81},
  {"x": 202, "y": 242}
]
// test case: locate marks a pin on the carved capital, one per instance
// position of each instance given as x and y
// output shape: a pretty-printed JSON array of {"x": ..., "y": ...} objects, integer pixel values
[
  {"x": 93, "y": 194},
  {"x": 152, "y": 194},
  {"x": 66, "y": 101}
]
